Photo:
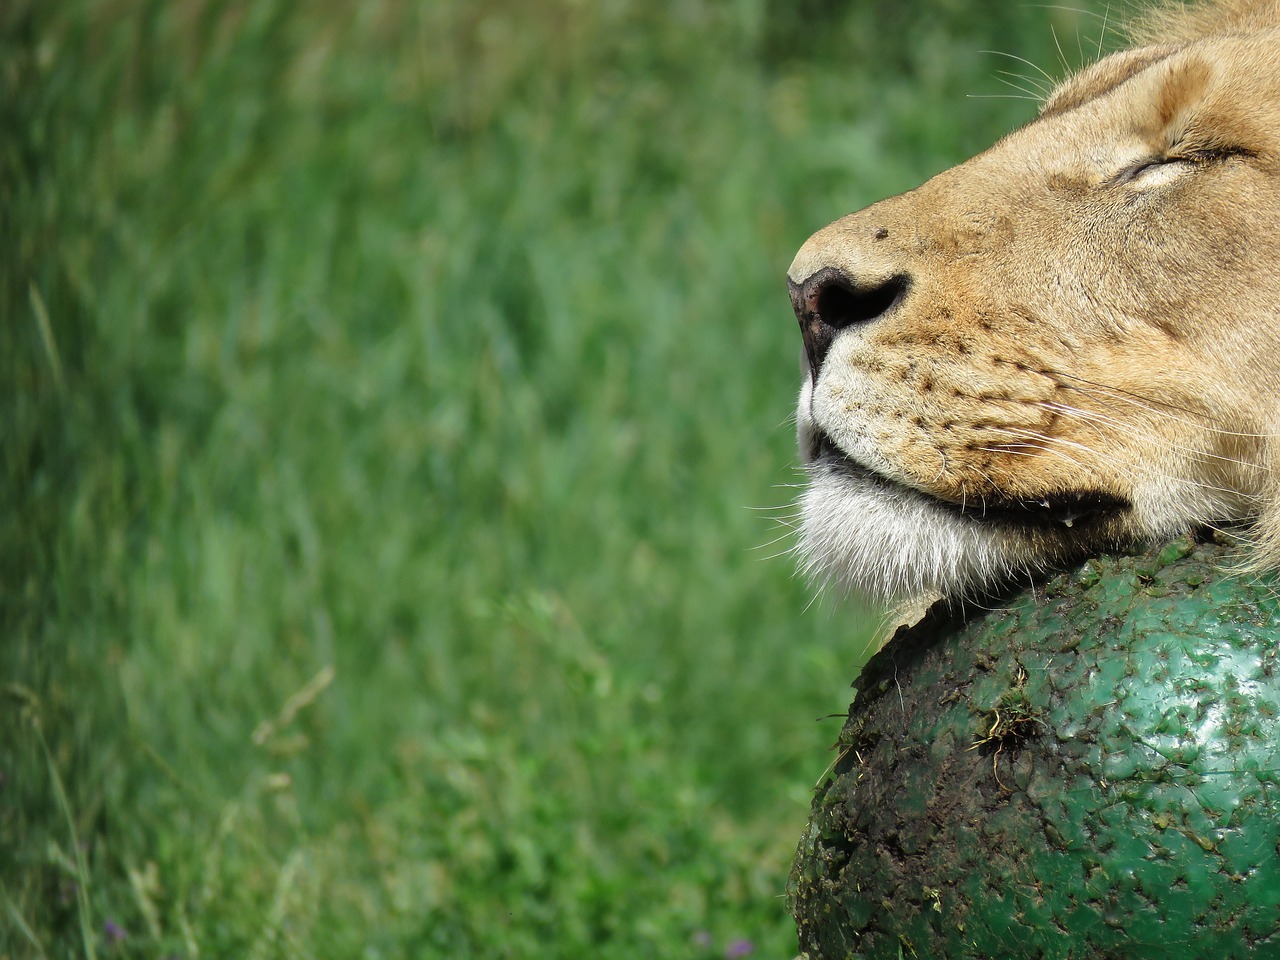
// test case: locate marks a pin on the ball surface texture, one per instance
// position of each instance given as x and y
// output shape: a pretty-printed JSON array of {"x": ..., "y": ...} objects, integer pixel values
[{"x": 1087, "y": 769}]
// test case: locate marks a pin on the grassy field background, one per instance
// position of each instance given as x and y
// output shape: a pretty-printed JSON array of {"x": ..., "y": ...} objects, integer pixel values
[{"x": 390, "y": 392}]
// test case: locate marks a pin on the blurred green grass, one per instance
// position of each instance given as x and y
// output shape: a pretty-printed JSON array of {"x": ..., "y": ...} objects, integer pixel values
[{"x": 387, "y": 390}]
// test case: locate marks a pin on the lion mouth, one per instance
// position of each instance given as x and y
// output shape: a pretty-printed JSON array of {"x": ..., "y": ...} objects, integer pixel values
[{"x": 1061, "y": 509}]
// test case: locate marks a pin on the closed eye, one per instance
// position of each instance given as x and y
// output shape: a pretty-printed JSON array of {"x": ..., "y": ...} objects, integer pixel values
[{"x": 1153, "y": 171}]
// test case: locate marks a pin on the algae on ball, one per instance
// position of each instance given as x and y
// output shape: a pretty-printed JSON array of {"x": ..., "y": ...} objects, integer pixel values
[{"x": 1089, "y": 769}]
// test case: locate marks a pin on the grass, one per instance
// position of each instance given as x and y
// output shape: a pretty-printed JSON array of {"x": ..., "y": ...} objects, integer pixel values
[{"x": 387, "y": 390}]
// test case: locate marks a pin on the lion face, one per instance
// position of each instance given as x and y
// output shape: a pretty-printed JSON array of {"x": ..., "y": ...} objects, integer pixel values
[{"x": 1066, "y": 343}]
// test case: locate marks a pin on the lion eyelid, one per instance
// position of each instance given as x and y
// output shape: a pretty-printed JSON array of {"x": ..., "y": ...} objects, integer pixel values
[
  {"x": 1215, "y": 154},
  {"x": 1137, "y": 169},
  {"x": 1195, "y": 158}
]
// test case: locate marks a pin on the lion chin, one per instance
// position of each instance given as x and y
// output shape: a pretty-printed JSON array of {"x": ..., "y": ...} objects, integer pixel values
[
  {"x": 891, "y": 544},
  {"x": 1065, "y": 344}
]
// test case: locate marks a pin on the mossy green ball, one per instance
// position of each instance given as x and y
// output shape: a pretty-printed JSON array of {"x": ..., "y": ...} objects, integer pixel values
[{"x": 1089, "y": 769}]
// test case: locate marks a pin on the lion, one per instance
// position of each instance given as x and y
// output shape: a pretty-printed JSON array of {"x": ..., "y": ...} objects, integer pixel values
[{"x": 1066, "y": 344}]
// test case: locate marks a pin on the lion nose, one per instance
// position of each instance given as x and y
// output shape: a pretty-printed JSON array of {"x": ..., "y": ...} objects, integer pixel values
[{"x": 830, "y": 301}]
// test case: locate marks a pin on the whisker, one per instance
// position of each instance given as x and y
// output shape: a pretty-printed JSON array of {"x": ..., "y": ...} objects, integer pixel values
[
  {"x": 1033, "y": 84},
  {"x": 1050, "y": 445},
  {"x": 1062, "y": 57},
  {"x": 1031, "y": 449},
  {"x": 1066, "y": 9},
  {"x": 1034, "y": 450},
  {"x": 779, "y": 555},
  {"x": 1029, "y": 63},
  {"x": 1118, "y": 392},
  {"x": 1098, "y": 419},
  {"x": 1002, "y": 76},
  {"x": 1152, "y": 404},
  {"x": 1001, "y": 96},
  {"x": 789, "y": 532}
]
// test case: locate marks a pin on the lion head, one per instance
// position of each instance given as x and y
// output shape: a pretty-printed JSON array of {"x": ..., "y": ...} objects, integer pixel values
[{"x": 1067, "y": 343}]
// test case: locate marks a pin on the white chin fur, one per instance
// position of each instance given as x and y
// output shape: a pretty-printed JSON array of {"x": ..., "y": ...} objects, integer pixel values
[{"x": 894, "y": 544}]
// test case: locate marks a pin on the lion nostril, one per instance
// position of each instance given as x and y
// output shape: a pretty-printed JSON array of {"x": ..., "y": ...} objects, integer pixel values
[
  {"x": 831, "y": 301},
  {"x": 840, "y": 305}
]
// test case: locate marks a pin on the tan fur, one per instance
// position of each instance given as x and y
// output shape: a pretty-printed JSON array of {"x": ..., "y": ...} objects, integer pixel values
[
  {"x": 1087, "y": 351},
  {"x": 1181, "y": 23}
]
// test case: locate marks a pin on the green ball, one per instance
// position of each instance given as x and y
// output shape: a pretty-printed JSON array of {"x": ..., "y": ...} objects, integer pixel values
[{"x": 1089, "y": 770}]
